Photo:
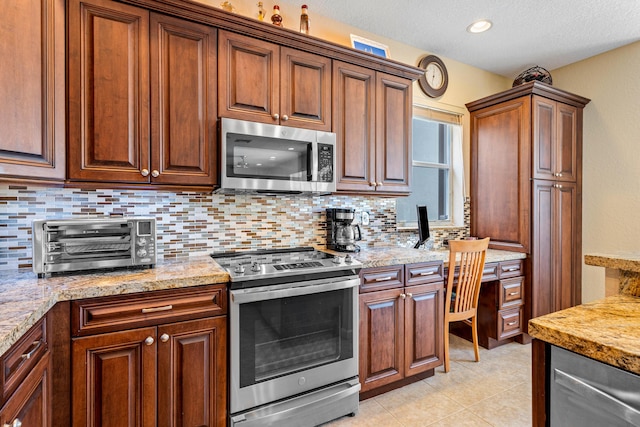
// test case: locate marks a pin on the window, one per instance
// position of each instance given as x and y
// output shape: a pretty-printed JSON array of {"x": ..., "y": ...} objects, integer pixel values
[{"x": 437, "y": 170}]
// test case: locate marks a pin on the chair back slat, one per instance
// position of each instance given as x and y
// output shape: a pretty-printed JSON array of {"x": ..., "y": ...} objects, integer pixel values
[{"x": 469, "y": 258}]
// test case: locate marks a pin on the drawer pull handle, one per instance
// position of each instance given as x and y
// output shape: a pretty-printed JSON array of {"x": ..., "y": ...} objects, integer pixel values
[
  {"x": 383, "y": 279},
  {"x": 427, "y": 273},
  {"x": 510, "y": 269},
  {"x": 512, "y": 323},
  {"x": 156, "y": 309},
  {"x": 28, "y": 355},
  {"x": 513, "y": 293}
]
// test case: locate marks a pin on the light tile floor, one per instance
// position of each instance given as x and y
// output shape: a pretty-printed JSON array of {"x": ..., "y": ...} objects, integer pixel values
[{"x": 493, "y": 392}]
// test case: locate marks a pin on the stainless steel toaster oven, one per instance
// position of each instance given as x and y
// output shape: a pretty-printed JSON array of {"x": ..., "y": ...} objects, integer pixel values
[{"x": 93, "y": 243}]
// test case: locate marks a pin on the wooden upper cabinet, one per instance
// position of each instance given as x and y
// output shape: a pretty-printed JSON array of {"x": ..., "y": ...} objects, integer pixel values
[
  {"x": 108, "y": 91},
  {"x": 372, "y": 120},
  {"x": 263, "y": 82},
  {"x": 393, "y": 133},
  {"x": 183, "y": 108},
  {"x": 500, "y": 172},
  {"x": 354, "y": 113},
  {"x": 555, "y": 129},
  {"x": 142, "y": 103},
  {"x": 32, "y": 87}
]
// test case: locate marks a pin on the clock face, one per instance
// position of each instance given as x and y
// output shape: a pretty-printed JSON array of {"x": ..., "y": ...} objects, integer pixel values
[
  {"x": 435, "y": 79},
  {"x": 434, "y": 75}
]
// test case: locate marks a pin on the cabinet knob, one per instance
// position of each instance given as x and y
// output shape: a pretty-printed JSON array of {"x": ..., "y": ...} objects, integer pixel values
[
  {"x": 372, "y": 184},
  {"x": 276, "y": 116},
  {"x": 144, "y": 172},
  {"x": 164, "y": 337},
  {"x": 379, "y": 184},
  {"x": 403, "y": 296},
  {"x": 558, "y": 185},
  {"x": 285, "y": 118},
  {"x": 155, "y": 173},
  {"x": 558, "y": 174},
  {"x": 409, "y": 294},
  {"x": 149, "y": 341}
]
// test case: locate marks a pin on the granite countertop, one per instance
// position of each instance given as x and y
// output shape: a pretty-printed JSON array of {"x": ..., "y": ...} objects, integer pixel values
[
  {"x": 380, "y": 257},
  {"x": 25, "y": 299},
  {"x": 607, "y": 330},
  {"x": 629, "y": 261}
]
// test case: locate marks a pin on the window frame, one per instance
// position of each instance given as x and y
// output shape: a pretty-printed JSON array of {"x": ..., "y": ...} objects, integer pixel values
[{"x": 455, "y": 168}]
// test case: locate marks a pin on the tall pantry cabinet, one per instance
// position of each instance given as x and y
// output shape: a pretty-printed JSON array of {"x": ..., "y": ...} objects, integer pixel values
[{"x": 526, "y": 186}]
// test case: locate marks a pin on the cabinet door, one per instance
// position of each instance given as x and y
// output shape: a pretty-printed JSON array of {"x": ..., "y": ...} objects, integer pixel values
[
  {"x": 32, "y": 87},
  {"x": 31, "y": 402},
  {"x": 424, "y": 319},
  {"x": 556, "y": 254},
  {"x": 249, "y": 78},
  {"x": 381, "y": 338},
  {"x": 114, "y": 379},
  {"x": 183, "y": 94},
  {"x": 192, "y": 373},
  {"x": 500, "y": 172},
  {"x": 554, "y": 140},
  {"x": 393, "y": 133},
  {"x": 108, "y": 91},
  {"x": 305, "y": 98},
  {"x": 354, "y": 124}
]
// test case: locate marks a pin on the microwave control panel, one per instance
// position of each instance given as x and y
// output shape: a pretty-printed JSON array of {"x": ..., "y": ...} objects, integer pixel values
[{"x": 325, "y": 162}]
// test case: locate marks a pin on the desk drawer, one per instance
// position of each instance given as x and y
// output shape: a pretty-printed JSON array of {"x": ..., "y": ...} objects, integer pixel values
[
  {"x": 511, "y": 268},
  {"x": 108, "y": 314},
  {"x": 511, "y": 292},
  {"x": 509, "y": 323},
  {"x": 22, "y": 357},
  {"x": 424, "y": 272}
]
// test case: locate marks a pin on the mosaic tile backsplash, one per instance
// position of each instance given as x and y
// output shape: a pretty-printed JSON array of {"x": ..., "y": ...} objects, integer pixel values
[{"x": 194, "y": 224}]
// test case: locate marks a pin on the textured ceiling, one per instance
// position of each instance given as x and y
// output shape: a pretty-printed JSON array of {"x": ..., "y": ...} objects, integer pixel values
[{"x": 548, "y": 33}]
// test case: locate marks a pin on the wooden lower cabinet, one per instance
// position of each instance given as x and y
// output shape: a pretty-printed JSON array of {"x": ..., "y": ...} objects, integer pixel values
[
  {"x": 30, "y": 404},
  {"x": 400, "y": 327},
  {"x": 167, "y": 373}
]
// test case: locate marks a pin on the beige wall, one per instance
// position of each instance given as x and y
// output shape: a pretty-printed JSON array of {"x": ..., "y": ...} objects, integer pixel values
[
  {"x": 466, "y": 83},
  {"x": 611, "y": 171}
]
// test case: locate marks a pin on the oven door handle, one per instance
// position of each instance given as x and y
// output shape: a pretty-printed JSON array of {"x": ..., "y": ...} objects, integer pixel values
[{"x": 242, "y": 296}]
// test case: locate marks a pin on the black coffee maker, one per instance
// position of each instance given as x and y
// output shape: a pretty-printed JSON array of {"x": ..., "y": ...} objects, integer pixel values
[{"x": 341, "y": 234}]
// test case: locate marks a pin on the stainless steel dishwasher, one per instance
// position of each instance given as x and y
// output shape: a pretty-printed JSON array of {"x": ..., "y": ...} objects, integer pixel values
[{"x": 585, "y": 392}]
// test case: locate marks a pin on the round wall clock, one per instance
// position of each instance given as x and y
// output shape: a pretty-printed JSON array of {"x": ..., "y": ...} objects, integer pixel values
[{"x": 435, "y": 79}]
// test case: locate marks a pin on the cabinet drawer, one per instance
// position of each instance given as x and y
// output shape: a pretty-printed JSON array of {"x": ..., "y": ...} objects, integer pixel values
[
  {"x": 511, "y": 292},
  {"x": 22, "y": 357},
  {"x": 511, "y": 269},
  {"x": 509, "y": 323},
  {"x": 379, "y": 278},
  {"x": 106, "y": 314},
  {"x": 490, "y": 272},
  {"x": 424, "y": 272}
]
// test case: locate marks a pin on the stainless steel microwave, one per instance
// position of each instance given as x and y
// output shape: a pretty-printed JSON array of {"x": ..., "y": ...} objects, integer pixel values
[{"x": 265, "y": 158}]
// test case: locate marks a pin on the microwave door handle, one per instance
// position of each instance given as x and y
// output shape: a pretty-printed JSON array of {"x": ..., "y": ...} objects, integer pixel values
[{"x": 314, "y": 160}]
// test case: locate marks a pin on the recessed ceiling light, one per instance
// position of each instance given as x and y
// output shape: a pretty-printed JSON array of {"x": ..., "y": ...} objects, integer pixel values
[{"x": 480, "y": 26}]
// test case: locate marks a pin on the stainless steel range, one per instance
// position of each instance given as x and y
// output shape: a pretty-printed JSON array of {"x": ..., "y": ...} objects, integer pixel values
[{"x": 294, "y": 336}]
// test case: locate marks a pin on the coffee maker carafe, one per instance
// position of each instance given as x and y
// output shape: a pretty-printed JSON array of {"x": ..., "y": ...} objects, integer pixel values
[{"x": 341, "y": 234}]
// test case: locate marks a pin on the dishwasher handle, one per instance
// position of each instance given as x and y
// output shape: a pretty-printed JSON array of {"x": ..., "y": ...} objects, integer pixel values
[{"x": 606, "y": 401}]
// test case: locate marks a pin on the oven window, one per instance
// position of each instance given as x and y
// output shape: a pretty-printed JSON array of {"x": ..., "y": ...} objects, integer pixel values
[
  {"x": 268, "y": 158},
  {"x": 282, "y": 336}
]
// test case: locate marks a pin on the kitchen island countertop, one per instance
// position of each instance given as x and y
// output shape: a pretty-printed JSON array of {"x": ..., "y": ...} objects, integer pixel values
[
  {"x": 25, "y": 298},
  {"x": 606, "y": 330}
]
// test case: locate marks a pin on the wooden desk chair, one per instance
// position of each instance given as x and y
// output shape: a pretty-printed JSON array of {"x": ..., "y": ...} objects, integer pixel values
[{"x": 463, "y": 289}]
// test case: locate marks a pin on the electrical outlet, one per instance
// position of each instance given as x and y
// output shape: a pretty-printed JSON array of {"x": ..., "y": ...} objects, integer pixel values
[{"x": 365, "y": 218}]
